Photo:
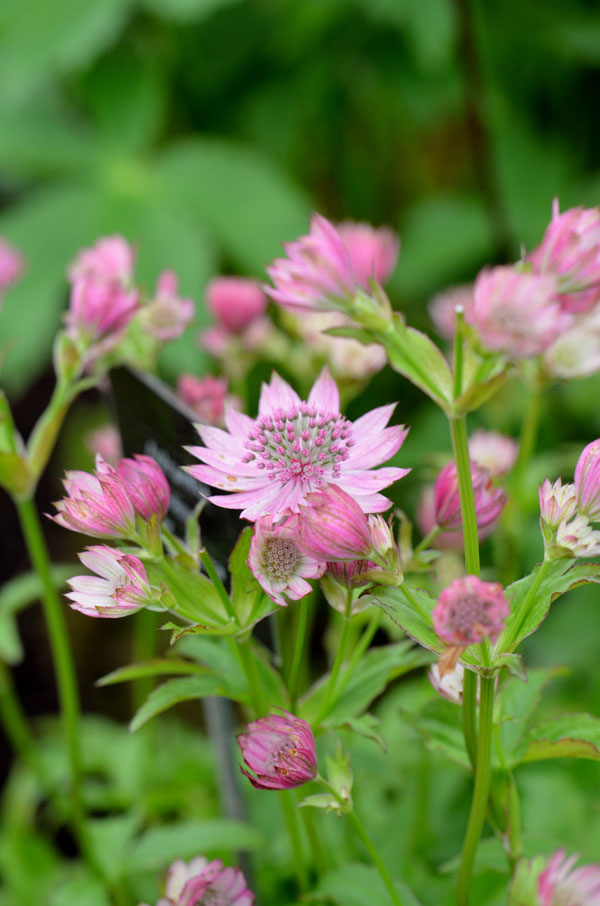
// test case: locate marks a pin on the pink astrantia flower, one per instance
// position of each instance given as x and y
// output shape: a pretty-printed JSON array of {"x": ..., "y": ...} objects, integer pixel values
[
  {"x": 468, "y": 610},
  {"x": 317, "y": 274},
  {"x": 373, "y": 251},
  {"x": 278, "y": 564},
  {"x": 560, "y": 884},
  {"x": 167, "y": 315},
  {"x": 489, "y": 500},
  {"x": 558, "y": 503},
  {"x": 280, "y": 751},
  {"x": 333, "y": 526},
  {"x": 120, "y": 586},
  {"x": 293, "y": 448},
  {"x": 146, "y": 486},
  {"x": 12, "y": 265},
  {"x": 518, "y": 313},
  {"x": 97, "y": 504},
  {"x": 587, "y": 481},
  {"x": 442, "y": 309},
  {"x": 111, "y": 259},
  {"x": 493, "y": 451},
  {"x": 578, "y": 538},
  {"x": 570, "y": 250},
  {"x": 576, "y": 353},
  {"x": 235, "y": 302},
  {"x": 205, "y": 396},
  {"x": 203, "y": 883}
]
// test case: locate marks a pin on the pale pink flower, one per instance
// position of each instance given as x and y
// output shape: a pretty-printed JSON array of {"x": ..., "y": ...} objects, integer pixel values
[
  {"x": 167, "y": 315},
  {"x": 280, "y": 751},
  {"x": 587, "y": 481},
  {"x": 106, "y": 441},
  {"x": 450, "y": 685},
  {"x": 215, "y": 340},
  {"x": 382, "y": 538},
  {"x": 317, "y": 274},
  {"x": 293, "y": 448},
  {"x": 235, "y": 302},
  {"x": 146, "y": 486},
  {"x": 576, "y": 353},
  {"x": 97, "y": 504},
  {"x": 99, "y": 310},
  {"x": 578, "y": 537},
  {"x": 333, "y": 526},
  {"x": 516, "y": 312},
  {"x": 570, "y": 250},
  {"x": 110, "y": 259},
  {"x": 558, "y": 503},
  {"x": 205, "y": 396},
  {"x": 469, "y": 610},
  {"x": 373, "y": 251},
  {"x": 120, "y": 586},
  {"x": 278, "y": 564},
  {"x": 493, "y": 451},
  {"x": 12, "y": 265},
  {"x": 203, "y": 883},
  {"x": 442, "y": 309},
  {"x": 560, "y": 884},
  {"x": 489, "y": 500}
]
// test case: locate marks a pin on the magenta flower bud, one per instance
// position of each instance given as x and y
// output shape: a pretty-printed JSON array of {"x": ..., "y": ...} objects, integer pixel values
[
  {"x": 373, "y": 252},
  {"x": 442, "y": 309},
  {"x": 280, "y": 751},
  {"x": 468, "y": 610},
  {"x": 205, "y": 396},
  {"x": 146, "y": 485},
  {"x": 494, "y": 452},
  {"x": 489, "y": 500},
  {"x": 570, "y": 250},
  {"x": 560, "y": 883},
  {"x": 167, "y": 315},
  {"x": 558, "y": 503},
  {"x": 120, "y": 586},
  {"x": 203, "y": 883},
  {"x": 97, "y": 504},
  {"x": 12, "y": 265},
  {"x": 235, "y": 302},
  {"x": 518, "y": 313},
  {"x": 277, "y": 562},
  {"x": 317, "y": 274},
  {"x": 349, "y": 573},
  {"x": 111, "y": 259},
  {"x": 332, "y": 526},
  {"x": 587, "y": 481}
]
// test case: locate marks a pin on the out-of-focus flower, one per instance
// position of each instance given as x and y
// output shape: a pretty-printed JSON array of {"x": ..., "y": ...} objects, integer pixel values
[
  {"x": 570, "y": 250},
  {"x": 442, "y": 309},
  {"x": 469, "y": 610},
  {"x": 293, "y": 448},
  {"x": 280, "y": 751},
  {"x": 12, "y": 265},
  {"x": 516, "y": 312},
  {"x": 278, "y": 564},
  {"x": 587, "y": 481},
  {"x": 110, "y": 259},
  {"x": 451, "y": 540},
  {"x": 489, "y": 500},
  {"x": 167, "y": 315},
  {"x": 97, "y": 504},
  {"x": 105, "y": 441},
  {"x": 333, "y": 526},
  {"x": 576, "y": 353},
  {"x": 450, "y": 685},
  {"x": 558, "y": 502},
  {"x": 146, "y": 486},
  {"x": 348, "y": 358},
  {"x": 235, "y": 302},
  {"x": 560, "y": 884},
  {"x": 203, "y": 883},
  {"x": 317, "y": 274},
  {"x": 120, "y": 586},
  {"x": 578, "y": 538},
  {"x": 206, "y": 396},
  {"x": 493, "y": 451},
  {"x": 373, "y": 251}
]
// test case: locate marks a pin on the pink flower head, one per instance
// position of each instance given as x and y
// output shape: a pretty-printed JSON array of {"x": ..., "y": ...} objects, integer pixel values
[
  {"x": 106, "y": 441},
  {"x": 349, "y": 573},
  {"x": 278, "y": 564},
  {"x": 558, "y": 503},
  {"x": 494, "y": 452},
  {"x": 489, "y": 500},
  {"x": 317, "y": 274},
  {"x": 120, "y": 586},
  {"x": 518, "y": 313},
  {"x": 373, "y": 252},
  {"x": 167, "y": 315},
  {"x": 206, "y": 396},
  {"x": 562, "y": 885},
  {"x": 203, "y": 883},
  {"x": 280, "y": 751},
  {"x": 97, "y": 504},
  {"x": 587, "y": 481},
  {"x": 570, "y": 251},
  {"x": 12, "y": 265},
  {"x": 146, "y": 486},
  {"x": 333, "y": 526},
  {"x": 293, "y": 448},
  {"x": 576, "y": 353},
  {"x": 578, "y": 537},
  {"x": 110, "y": 260},
  {"x": 449, "y": 685},
  {"x": 468, "y": 610},
  {"x": 442, "y": 309},
  {"x": 235, "y": 302}
]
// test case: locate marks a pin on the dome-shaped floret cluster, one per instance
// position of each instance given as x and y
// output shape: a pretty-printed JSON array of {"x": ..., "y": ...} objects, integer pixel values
[{"x": 468, "y": 610}]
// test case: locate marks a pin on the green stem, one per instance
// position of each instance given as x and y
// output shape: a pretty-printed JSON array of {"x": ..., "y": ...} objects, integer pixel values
[
  {"x": 248, "y": 662},
  {"x": 469, "y": 714},
  {"x": 524, "y": 610},
  {"x": 216, "y": 580},
  {"x": 144, "y": 649},
  {"x": 337, "y": 663},
  {"x": 458, "y": 350},
  {"x": 426, "y": 541},
  {"x": 16, "y": 726},
  {"x": 458, "y": 431},
  {"x": 377, "y": 860},
  {"x": 43, "y": 437},
  {"x": 317, "y": 849},
  {"x": 481, "y": 791},
  {"x": 303, "y": 615}
]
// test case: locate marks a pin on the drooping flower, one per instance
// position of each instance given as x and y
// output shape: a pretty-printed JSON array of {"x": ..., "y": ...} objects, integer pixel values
[
  {"x": 558, "y": 503},
  {"x": 293, "y": 448},
  {"x": 587, "y": 481},
  {"x": 278, "y": 564},
  {"x": 279, "y": 751},
  {"x": 469, "y": 610},
  {"x": 570, "y": 250},
  {"x": 12, "y": 265},
  {"x": 120, "y": 586},
  {"x": 167, "y": 315},
  {"x": 317, "y": 274},
  {"x": 450, "y": 685},
  {"x": 205, "y": 396},
  {"x": 97, "y": 504},
  {"x": 373, "y": 251},
  {"x": 560, "y": 884},
  {"x": 146, "y": 485},
  {"x": 442, "y": 309},
  {"x": 235, "y": 302},
  {"x": 516, "y": 312},
  {"x": 489, "y": 500},
  {"x": 203, "y": 883},
  {"x": 493, "y": 451}
]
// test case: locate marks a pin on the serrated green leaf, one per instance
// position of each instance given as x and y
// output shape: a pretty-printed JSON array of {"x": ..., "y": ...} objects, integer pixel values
[
  {"x": 174, "y": 691},
  {"x": 156, "y": 667},
  {"x": 415, "y": 355},
  {"x": 161, "y": 845},
  {"x": 517, "y": 702},
  {"x": 573, "y": 736},
  {"x": 196, "y": 598}
]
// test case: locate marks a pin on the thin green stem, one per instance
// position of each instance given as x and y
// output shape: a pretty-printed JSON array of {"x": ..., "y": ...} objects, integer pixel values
[
  {"x": 469, "y": 715},
  {"x": 459, "y": 321},
  {"x": 376, "y": 858},
  {"x": 426, "y": 541},
  {"x": 319, "y": 852},
  {"x": 337, "y": 663},
  {"x": 303, "y": 615},
  {"x": 481, "y": 791},
  {"x": 248, "y": 662},
  {"x": 216, "y": 580},
  {"x": 16, "y": 725},
  {"x": 460, "y": 444},
  {"x": 144, "y": 649}
]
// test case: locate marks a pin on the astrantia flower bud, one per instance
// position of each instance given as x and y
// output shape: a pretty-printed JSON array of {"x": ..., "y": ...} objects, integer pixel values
[
  {"x": 558, "y": 503},
  {"x": 373, "y": 252},
  {"x": 109, "y": 259},
  {"x": 332, "y": 526},
  {"x": 562, "y": 885},
  {"x": 489, "y": 500},
  {"x": 280, "y": 752},
  {"x": 450, "y": 685},
  {"x": 469, "y": 610},
  {"x": 120, "y": 586},
  {"x": 349, "y": 573},
  {"x": 494, "y": 452},
  {"x": 235, "y": 302},
  {"x": 516, "y": 312},
  {"x": 146, "y": 486},
  {"x": 578, "y": 538},
  {"x": 277, "y": 562},
  {"x": 167, "y": 315},
  {"x": 97, "y": 504},
  {"x": 204, "y": 883},
  {"x": 587, "y": 481}
]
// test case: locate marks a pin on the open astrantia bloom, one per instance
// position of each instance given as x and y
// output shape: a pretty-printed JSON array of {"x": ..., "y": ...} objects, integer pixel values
[
  {"x": 278, "y": 564},
  {"x": 294, "y": 447},
  {"x": 562, "y": 885},
  {"x": 203, "y": 883}
]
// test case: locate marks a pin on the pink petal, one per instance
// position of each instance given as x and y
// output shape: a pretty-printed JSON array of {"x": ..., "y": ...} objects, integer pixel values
[{"x": 325, "y": 394}]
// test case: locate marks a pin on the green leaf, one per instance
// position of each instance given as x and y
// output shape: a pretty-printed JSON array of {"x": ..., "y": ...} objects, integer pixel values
[
  {"x": 196, "y": 598},
  {"x": 517, "y": 703},
  {"x": 250, "y": 603},
  {"x": 414, "y": 355},
  {"x": 16, "y": 594},
  {"x": 174, "y": 691},
  {"x": 185, "y": 10},
  {"x": 366, "y": 725},
  {"x": 360, "y": 885},
  {"x": 162, "y": 845},
  {"x": 440, "y": 726},
  {"x": 573, "y": 736},
  {"x": 156, "y": 667},
  {"x": 111, "y": 838},
  {"x": 410, "y": 609}
]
